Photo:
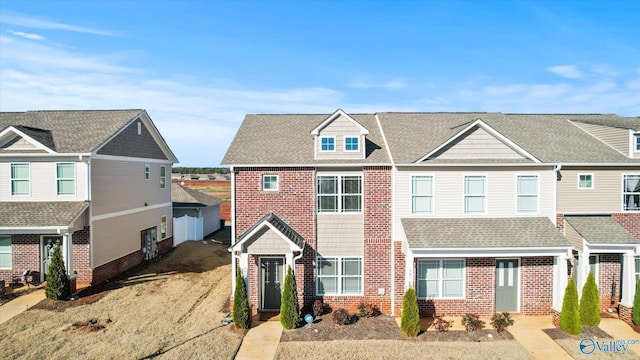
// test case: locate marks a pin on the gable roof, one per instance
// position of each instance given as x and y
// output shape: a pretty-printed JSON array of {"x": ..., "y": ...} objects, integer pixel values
[
  {"x": 75, "y": 131},
  {"x": 601, "y": 230},
  {"x": 272, "y": 221},
  {"x": 335, "y": 115},
  {"x": 182, "y": 196}
]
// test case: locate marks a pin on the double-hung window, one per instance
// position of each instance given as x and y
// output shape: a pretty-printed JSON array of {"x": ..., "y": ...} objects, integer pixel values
[
  {"x": 339, "y": 276},
  {"x": 20, "y": 179},
  {"x": 422, "y": 194},
  {"x": 637, "y": 142},
  {"x": 147, "y": 171},
  {"x": 327, "y": 143},
  {"x": 441, "y": 278},
  {"x": 269, "y": 182},
  {"x": 585, "y": 181},
  {"x": 163, "y": 177},
  {"x": 351, "y": 143},
  {"x": 475, "y": 194},
  {"x": 163, "y": 227},
  {"x": 5, "y": 252},
  {"x": 339, "y": 193},
  {"x": 66, "y": 178},
  {"x": 631, "y": 193},
  {"x": 527, "y": 194}
]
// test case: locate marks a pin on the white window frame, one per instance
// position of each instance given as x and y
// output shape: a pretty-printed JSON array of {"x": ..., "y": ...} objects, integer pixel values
[
  {"x": 593, "y": 184},
  {"x": 334, "y": 143},
  {"x": 626, "y": 193},
  {"x": 357, "y": 149},
  {"x": 339, "y": 194},
  {"x": 58, "y": 179},
  {"x": 484, "y": 195},
  {"x": 537, "y": 194},
  {"x": 637, "y": 270},
  {"x": 339, "y": 275},
  {"x": 277, "y": 182},
  {"x": 28, "y": 179},
  {"x": 163, "y": 227},
  {"x": 441, "y": 278},
  {"x": 636, "y": 142},
  {"x": 9, "y": 252},
  {"x": 414, "y": 195},
  {"x": 147, "y": 171},
  {"x": 163, "y": 178}
]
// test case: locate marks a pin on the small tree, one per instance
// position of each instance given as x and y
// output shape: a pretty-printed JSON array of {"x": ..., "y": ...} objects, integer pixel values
[
  {"x": 57, "y": 282},
  {"x": 410, "y": 320},
  {"x": 289, "y": 309},
  {"x": 570, "y": 315},
  {"x": 590, "y": 303},
  {"x": 241, "y": 312},
  {"x": 635, "y": 313}
]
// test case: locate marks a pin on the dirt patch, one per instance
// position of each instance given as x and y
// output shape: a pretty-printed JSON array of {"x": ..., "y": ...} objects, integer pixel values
[
  {"x": 62, "y": 305},
  {"x": 91, "y": 325}
]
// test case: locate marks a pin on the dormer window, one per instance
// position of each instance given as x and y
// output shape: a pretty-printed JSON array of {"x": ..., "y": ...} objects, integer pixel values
[
  {"x": 328, "y": 143},
  {"x": 637, "y": 142},
  {"x": 351, "y": 143}
]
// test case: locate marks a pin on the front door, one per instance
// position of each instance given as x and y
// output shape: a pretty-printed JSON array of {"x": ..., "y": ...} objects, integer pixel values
[
  {"x": 271, "y": 281},
  {"x": 507, "y": 284},
  {"x": 47, "y": 252}
]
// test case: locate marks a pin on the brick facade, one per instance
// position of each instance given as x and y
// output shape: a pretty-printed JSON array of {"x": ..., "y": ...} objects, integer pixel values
[
  {"x": 609, "y": 277},
  {"x": 25, "y": 255},
  {"x": 81, "y": 261},
  {"x": 115, "y": 267}
]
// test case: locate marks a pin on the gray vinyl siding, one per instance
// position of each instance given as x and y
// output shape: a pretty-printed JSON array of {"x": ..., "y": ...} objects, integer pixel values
[
  {"x": 478, "y": 145},
  {"x": 573, "y": 237},
  {"x": 129, "y": 143},
  {"x": 119, "y": 185},
  {"x": 605, "y": 197},
  {"x": 340, "y": 128},
  {"x": 615, "y": 137},
  {"x": 500, "y": 194},
  {"x": 117, "y": 236},
  {"x": 340, "y": 234},
  {"x": 267, "y": 242},
  {"x": 43, "y": 181}
]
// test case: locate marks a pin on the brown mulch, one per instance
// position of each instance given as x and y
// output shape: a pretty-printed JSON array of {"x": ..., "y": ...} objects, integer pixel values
[
  {"x": 380, "y": 328},
  {"x": 62, "y": 305},
  {"x": 593, "y": 332},
  {"x": 91, "y": 325}
]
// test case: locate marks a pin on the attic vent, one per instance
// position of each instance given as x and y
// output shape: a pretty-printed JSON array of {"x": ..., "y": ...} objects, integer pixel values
[{"x": 139, "y": 128}]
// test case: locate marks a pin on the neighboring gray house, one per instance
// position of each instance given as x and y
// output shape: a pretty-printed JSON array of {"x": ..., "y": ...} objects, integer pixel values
[{"x": 202, "y": 211}]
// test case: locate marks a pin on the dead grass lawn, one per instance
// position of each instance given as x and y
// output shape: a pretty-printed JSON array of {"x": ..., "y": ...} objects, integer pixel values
[{"x": 171, "y": 309}]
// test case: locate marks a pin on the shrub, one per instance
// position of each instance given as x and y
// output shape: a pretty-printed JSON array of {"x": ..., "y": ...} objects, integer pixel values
[
  {"x": 441, "y": 324},
  {"x": 570, "y": 315},
  {"x": 410, "y": 320},
  {"x": 318, "y": 308},
  {"x": 472, "y": 322},
  {"x": 241, "y": 314},
  {"x": 57, "y": 282},
  {"x": 590, "y": 303},
  {"x": 500, "y": 321},
  {"x": 342, "y": 317},
  {"x": 289, "y": 309},
  {"x": 368, "y": 310},
  {"x": 635, "y": 313}
]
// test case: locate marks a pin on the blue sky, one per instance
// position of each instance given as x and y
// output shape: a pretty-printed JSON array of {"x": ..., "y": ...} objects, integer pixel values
[{"x": 198, "y": 67}]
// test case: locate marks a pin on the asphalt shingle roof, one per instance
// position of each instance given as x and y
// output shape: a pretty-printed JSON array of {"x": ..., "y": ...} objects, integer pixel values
[
  {"x": 601, "y": 230},
  {"x": 70, "y": 131},
  {"x": 482, "y": 232},
  {"x": 279, "y": 224},
  {"x": 39, "y": 214},
  {"x": 182, "y": 196}
]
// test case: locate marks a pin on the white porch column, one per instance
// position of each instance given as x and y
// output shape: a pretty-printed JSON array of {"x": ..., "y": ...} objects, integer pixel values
[
  {"x": 233, "y": 272},
  {"x": 628, "y": 285},
  {"x": 408, "y": 271},
  {"x": 67, "y": 253},
  {"x": 584, "y": 268},
  {"x": 560, "y": 279},
  {"x": 244, "y": 266},
  {"x": 288, "y": 261}
]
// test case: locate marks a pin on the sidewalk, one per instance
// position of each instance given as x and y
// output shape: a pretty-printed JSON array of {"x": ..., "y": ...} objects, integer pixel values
[
  {"x": 527, "y": 330},
  {"x": 20, "y": 304},
  {"x": 261, "y": 341},
  {"x": 619, "y": 330}
]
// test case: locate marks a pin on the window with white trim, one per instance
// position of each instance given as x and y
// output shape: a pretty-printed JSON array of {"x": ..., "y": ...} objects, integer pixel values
[
  {"x": 20, "y": 179},
  {"x": 147, "y": 171},
  {"x": 440, "y": 278},
  {"x": 269, "y": 182},
  {"x": 422, "y": 194},
  {"x": 163, "y": 177},
  {"x": 527, "y": 193},
  {"x": 327, "y": 143},
  {"x": 631, "y": 193},
  {"x": 5, "y": 252},
  {"x": 339, "y": 193},
  {"x": 637, "y": 142},
  {"x": 475, "y": 194},
  {"x": 585, "y": 181},
  {"x": 339, "y": 276},
  {"x": 351, "y": 143},
  {"x": 66, "y": 178},
  {"x": 163, "y": 227}
]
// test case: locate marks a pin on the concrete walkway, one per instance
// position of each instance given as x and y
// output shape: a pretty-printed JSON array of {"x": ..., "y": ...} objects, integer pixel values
[
  {"x": 261, "y": 341},
  {"x": 20, "y": 304},
  {"x": 527, "y": 330},
  {"x": 619, "y": 330}
]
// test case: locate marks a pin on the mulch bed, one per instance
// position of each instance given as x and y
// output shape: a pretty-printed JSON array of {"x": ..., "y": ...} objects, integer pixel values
[
  {"x": 62, "y": 305},
  {"x": 592, "y": 332},
  {"x": 380, "y": 328}
]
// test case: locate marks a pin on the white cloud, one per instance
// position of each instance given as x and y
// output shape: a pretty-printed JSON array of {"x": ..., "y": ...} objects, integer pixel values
[
  {"x": 26, "y": 35},
  {"x": 10, "y": 18},
  {"x": 567, "y": 71},
  {"x": 391, "y": 85}
]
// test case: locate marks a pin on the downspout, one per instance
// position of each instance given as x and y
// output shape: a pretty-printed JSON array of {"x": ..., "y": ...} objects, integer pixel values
[
  {"x": 233, "y": 229},
  {"x": 556, "y": 170}
]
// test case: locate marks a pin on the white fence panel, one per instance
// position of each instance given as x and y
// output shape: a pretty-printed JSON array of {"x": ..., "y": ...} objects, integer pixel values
[{"x": 186, "y": 228}]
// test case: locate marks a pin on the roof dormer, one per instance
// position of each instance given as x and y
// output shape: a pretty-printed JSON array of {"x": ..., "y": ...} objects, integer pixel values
[
  {"x": 26, "y": 139},
  {"x": 339, "y": 137}
]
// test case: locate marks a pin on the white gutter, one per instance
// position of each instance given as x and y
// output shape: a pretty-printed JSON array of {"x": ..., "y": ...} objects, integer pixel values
[{"x": 317, "y": 165}]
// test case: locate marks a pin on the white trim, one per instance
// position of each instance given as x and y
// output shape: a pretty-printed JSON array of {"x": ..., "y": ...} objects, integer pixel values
[
  {"x": 292, "y": 246},
  {"x": 277, "y": 188},
  {"x": 147, "y": 172},
  {"x": 537, "y": 176},
  {"x": 320, "y": 150},
  {"x": 635, "y": 142},
  {"x": 519, "y": 259},
  {"x": 593, "y": 181},
  {"x": 130, "y": 158},
  {"x": 65, "y": 253},
  {"x": 485, "y": 197},
  {"x": 261, "y": 285},
  {"x": 75, "y": 178},
  {"x": 11, "y": 179},
  {"x": 340, "y": 275},
  {"x": 623, "y": 189},
  {"x": 339, "y": 194},
  {"x": 10, "y": 237},
  {"x": 31, "y": 140},
  {"x": 335, "y": 115},
  {"x": 433, "y": 195},
  {"x": 441, "y": 277},
  {"x": 129, "y": 211},
  {"x": 163, "y": 178},
  {"x": 345, "y": 144},
  {"x": 491, "y": 131}
]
